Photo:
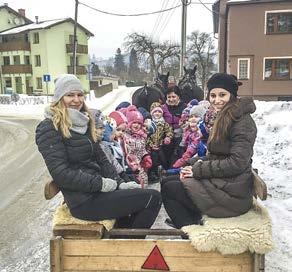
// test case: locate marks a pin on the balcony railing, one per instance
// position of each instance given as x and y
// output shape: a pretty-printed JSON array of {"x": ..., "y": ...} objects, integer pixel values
[
  {"x": 14, "y": 46},
  {"x": 80, "y": 70},
  {"x": 16, "y": 69},
  {"x": 81, "y": 49}
]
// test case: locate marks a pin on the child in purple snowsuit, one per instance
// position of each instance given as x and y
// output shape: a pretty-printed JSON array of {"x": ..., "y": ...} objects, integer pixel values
[{"x": 191, "y": 136}]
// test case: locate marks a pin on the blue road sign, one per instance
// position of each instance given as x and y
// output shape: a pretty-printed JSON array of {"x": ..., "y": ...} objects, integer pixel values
[{"x": 47, "y": 78}]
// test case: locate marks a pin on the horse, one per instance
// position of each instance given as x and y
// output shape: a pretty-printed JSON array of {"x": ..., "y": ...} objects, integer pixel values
[
  {"x": 145, "y": 96},
  {"x": 188, "y": 86}
]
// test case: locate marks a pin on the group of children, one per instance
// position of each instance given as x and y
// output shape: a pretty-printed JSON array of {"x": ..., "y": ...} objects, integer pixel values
[{"x": 132, "y": 138}]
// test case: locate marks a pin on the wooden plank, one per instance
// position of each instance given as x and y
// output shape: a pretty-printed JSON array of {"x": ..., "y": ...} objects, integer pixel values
[
  {"x": 129, "y": 255},
  {"x": 135, "y": 232},
  {"x": 260, "y": 186},
  {"x": 56, "y": 254},
  {"x": 93, "y": 230},
  {"x": 107, "y": 247},
  {"x": 259, "y": 262},
  {"x": 134, "y": 263}
]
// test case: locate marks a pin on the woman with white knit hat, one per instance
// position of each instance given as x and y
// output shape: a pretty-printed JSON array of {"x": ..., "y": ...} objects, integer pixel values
[{"x": 92, "y": 190}]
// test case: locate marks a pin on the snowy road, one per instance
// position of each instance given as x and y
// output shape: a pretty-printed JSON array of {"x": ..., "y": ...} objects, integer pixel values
[
  {"x": 23, "y": 211},
  {"x": 17, "y": 171}
]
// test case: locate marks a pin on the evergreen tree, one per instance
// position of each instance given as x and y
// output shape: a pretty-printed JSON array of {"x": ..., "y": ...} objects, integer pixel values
[
  {"x": 95, "y": 70},
  {"x": 133, "y": 65},
  {"x": 119, "y": 63}
]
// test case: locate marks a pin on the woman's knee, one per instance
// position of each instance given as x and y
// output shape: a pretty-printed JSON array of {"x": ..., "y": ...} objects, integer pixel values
[
  {"x": 171, "y": 188},
  {"x": 154, "y": 198}
]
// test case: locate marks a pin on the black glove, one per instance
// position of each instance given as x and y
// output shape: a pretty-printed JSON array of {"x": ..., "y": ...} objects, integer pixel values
[{"x": 125, "y": 176}]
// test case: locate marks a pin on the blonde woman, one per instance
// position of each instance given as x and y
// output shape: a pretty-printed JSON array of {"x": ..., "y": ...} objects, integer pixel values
[{"x": 91, "y": 187}]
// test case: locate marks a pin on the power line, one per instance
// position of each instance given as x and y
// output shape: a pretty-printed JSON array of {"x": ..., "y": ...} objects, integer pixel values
[
  {"x": 146, "y": 13},
  {"x": 204, "y": 4},
  {"x": 159, "y": 18},
  {"x": 166, "y": 21},
  {"x": 128, "y": 15}
]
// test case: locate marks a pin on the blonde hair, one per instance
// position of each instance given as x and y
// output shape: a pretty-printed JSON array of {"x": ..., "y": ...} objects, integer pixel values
[
  {"x": 223, "y": 121},
  {"x": 62, "y": 122}
]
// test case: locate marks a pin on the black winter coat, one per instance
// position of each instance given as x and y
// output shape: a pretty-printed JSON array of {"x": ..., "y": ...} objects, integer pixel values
[
  {"x": 222, "y": 184},
  {"x": 77, "y": 164}
]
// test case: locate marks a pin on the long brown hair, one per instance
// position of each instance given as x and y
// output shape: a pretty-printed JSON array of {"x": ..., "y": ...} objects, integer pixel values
[
  {"x": 62, "y": 121},
  {"x": 223, "y": 121}
]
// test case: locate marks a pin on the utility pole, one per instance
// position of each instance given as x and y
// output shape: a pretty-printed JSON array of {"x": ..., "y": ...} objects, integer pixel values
[
  {"x": 75, "y": 37},
  {"x": 183, "y": 36}
]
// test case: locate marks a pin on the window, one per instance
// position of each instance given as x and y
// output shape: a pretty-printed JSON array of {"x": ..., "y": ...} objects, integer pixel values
[
  {"x": 243, "y": 68},
  {"x": 26, "y": 60},
  {"x": 71, "y": 61},
  {"x": 71, "y": 39},
  {"x": 6, "y": 60},
  {"x": 8, "y": 82},
  {"x": 37, "y": 60},
  {"x": 36, "y": 38},
  {"x": 278, "y": 69},
  {"x": 39, "y": 82},
  {"x": 16, "y": 60},
  {"x": 279, "y": 22}
]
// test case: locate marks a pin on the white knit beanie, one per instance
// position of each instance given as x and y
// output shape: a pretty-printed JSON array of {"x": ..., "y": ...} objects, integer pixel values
[
  {"x": 64, "y": 84},
  {"x": 198, "y": 111}
]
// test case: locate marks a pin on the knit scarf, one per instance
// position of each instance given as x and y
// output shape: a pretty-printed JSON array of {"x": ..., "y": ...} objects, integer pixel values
[
  {"x": 158, "y": 121},
  {"x": 79, "y": 119}
]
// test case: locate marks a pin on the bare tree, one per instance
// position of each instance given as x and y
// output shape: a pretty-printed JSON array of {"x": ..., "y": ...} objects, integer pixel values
[
  {"x": 155, "y": 53},
  {"x": 201, "y": 51}
]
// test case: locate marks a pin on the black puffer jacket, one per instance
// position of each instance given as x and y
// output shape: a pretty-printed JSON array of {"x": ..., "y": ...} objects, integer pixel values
[
  {"x": 77, "y": 164},
  {"x": 222, "y": 184}
]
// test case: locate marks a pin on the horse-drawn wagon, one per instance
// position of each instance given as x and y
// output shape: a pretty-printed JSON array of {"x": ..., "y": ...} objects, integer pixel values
[{"x": 79, "y": 245}]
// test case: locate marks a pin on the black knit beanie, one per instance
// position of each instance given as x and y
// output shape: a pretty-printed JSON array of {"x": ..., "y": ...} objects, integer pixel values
[{"x": 224, "y": 81}]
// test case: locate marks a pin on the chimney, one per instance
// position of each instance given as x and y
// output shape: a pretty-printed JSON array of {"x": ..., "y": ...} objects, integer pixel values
[
  {"x": 36, "y": 19},
  {"x": 21, "y": 12},
  {"x": 6, "y": 4}
]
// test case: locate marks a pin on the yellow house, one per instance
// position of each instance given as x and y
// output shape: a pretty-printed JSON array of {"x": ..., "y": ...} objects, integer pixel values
[
  {"x": 30, "y": 52},
  {"x": 10, "y": 18}
]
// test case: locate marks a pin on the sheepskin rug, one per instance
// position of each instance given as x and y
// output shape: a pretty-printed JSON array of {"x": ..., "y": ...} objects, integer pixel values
[
  {"x": 62, "y": 216},
  {"x": 251, "y": 231}
]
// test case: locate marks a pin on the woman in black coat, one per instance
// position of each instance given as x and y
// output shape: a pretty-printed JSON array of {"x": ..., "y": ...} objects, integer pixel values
[
  {"x": 91, "y": 187},
  {"x": 220, "y": 184}
]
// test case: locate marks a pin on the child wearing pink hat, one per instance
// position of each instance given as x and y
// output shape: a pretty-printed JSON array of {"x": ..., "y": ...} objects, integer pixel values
[{"x": 134, "y": 141}]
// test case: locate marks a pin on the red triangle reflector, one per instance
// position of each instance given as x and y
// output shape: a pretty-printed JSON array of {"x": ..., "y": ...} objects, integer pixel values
[{"x": 155, "y": 261}]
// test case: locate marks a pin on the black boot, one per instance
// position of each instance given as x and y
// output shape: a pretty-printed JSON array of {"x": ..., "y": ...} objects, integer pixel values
[{"x": 152, "y": 177}]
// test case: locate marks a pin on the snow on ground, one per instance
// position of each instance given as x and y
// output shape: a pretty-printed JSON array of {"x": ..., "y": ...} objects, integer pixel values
[{"x": 272, "y": 157}]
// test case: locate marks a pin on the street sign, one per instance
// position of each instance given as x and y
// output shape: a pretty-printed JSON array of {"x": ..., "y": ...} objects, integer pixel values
[{"x": 47, "y": 78}]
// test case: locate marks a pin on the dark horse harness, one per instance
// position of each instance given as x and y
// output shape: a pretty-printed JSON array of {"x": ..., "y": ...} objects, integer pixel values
[
  {"x": 187, "y": 80},
  {"x": 189, "y": 88}
]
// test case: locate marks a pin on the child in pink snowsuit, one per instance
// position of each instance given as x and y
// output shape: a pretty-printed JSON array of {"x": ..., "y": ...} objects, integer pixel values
[
  {"x": 134, "y": 139},
  {"x": 191, "y": 136}
]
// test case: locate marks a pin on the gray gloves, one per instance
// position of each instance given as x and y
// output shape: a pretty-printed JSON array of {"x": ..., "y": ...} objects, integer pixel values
[
  {"x": 129, "y": 185},
  {"x": 108, "y": 185}
]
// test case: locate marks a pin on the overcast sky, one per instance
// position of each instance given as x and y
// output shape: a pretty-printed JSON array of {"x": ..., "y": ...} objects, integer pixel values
[{"x": 109, "y": 31}]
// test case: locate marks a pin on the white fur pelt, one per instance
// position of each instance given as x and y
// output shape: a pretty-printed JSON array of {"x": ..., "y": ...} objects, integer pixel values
[
  {"x": 251, "y": 231},
  {"x": 62, "y": 216}
]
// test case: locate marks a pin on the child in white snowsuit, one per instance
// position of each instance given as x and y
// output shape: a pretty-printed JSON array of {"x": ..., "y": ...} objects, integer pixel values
[{"x": 105, "y": 128}]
